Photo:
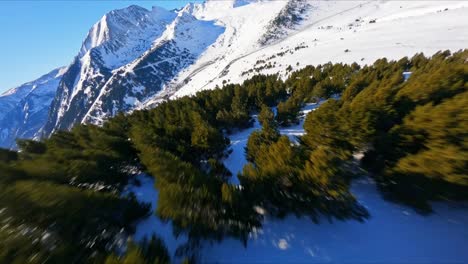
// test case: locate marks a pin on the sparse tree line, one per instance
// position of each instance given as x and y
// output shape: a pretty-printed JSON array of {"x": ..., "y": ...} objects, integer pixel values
[{"x": 62, "y": 200}]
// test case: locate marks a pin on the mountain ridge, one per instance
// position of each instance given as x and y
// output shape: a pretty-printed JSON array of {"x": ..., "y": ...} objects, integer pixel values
[{"x": 134, "y": 58}]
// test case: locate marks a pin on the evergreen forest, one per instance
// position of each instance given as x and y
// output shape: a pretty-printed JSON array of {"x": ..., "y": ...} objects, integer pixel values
[{"x": 63, "y": 198}]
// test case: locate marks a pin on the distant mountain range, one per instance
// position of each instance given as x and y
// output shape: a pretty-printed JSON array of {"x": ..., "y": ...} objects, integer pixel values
[
  {"x": 24, "y": 110},
  {"x": 134, "y": 58}
]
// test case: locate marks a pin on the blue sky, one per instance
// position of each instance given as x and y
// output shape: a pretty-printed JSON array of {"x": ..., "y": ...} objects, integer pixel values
[{"x": 38, "y": 36}]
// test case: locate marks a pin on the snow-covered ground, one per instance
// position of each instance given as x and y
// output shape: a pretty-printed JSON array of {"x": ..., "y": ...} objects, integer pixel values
[
  {"x": 392, "y": 234},
  {"x": 236, "y": 160},
  {"x": 145, "y": 192}
]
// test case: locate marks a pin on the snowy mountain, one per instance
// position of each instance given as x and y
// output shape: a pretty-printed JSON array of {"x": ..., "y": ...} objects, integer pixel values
[
  {"x": 257, "y": 40},
  {"x": 134, "y": 58},
  {"x": 177, "y": 48},
  {"x": 120, "y": 37},
  {"x": 24, "y": 109}
]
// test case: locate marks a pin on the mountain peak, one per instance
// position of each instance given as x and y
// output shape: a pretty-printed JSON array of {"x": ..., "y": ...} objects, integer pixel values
[
  {"x": 188, "y": 8},
  {"x": 111, "y": 25},
  {"x": 123, "y": 34}
]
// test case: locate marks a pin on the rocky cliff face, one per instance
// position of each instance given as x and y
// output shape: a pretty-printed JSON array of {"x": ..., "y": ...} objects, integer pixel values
[{"x": 119, "y": 38}]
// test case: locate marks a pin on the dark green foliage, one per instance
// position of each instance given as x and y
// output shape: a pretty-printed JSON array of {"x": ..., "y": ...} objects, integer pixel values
[
  {"x": 31, "y": 146},
  {"x": 198, "y": 202},
  {"x": 285, "y": 178},
  {"x": 87, "y": 154},
  {"x": 61, "y": 223},
  {"x": 264, "y": 89},
  {"x": 273, "y": 177},
  {"x": 327, "y": 127},
  {"x": 321, "y": 81},
  {"x": 413, "y": 132},
  {"x": 148, "y": 252},
  {"x": 429, "y": 154},
  {"x": 268, "y": 135},
  {"x": 61, "y": 197},
  {"x": 182, "y": 144},
  {"x": 438, "y": 145},
  {"x": 7, "y": 156},
  {"x": 311, "y": 84},
  {"x": 268, "y": 122},
  {"x": 288, "y": 111},
  {"x": 179, "y": 128}
]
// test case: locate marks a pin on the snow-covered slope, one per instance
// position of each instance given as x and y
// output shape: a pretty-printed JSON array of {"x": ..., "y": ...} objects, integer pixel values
[
  {"x": 24, "y": 110},
  {"x": 134, "y": 58},
  {"x": 337, "y": 31}
]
